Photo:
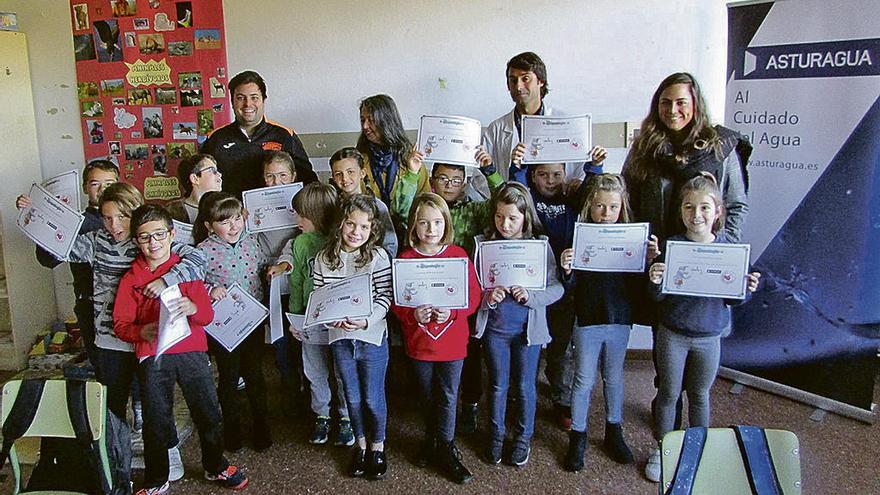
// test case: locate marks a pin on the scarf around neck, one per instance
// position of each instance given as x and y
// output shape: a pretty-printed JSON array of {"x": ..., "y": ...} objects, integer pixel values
[{"x": 385, "y": 163}]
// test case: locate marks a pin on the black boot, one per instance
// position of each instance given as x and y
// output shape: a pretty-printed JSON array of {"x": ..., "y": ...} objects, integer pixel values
[
  {"x": 450, "y": 464},
  {"x": 377, "y": 465},
  {"x": 358, "y": 465},
  {"x": 614, "y": 444},
  {"x": 577, "y": 446}
]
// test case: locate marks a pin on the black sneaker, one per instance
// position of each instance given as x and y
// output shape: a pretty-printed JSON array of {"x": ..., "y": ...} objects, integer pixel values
[
  {"x": 231, "y": 477},
  {"x": 377, "y": 466},
  {"x": 358, "y": 465},
  {"x": 520, "y": 455},
  {"x": 493, "y": 452},
  {"x": 469, "y": 417},
  {"x": 321, "y": 432},
  {"x": 450, "y": 459}
]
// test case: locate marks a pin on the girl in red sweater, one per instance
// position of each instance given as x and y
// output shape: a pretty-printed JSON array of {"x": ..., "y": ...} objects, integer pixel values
[{"x": 436, "y": 338}]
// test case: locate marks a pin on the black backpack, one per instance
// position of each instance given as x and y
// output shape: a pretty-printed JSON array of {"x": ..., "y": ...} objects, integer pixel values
[{"x": 62, "y": 465}]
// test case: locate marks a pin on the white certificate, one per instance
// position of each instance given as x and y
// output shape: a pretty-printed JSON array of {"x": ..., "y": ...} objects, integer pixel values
[
  {"x": 442, "y": 283},
  {"x": 706, "y": 270},
  {"x": 557, "y": 139},
  {"x": 183, "y": 233},
  {"x": 508, "y": 263},
  {"x": 65, "y": 187},
  {"x": 235, "y": 317},
  {"x": 276, "y": 324},
  {"x": 618, "y": 247},
  {"x": 48, "y": 222},
  {"x": 448, "y": 139},
  {"x": 351, "y": 297},
  {"x": 170, "y": 331},
  {"x": 316, "y": 335},
  {"x": 269, "y": 207}
]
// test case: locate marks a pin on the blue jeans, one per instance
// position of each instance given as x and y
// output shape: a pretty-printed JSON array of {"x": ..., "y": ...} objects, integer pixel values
[
  {"x": 510, "y": 359},
  {"x": 591, "y": 345},
  {"x": 702, "y": 356},
  {"x": 362, "y": 366},
  {"x": 438, "y": 383}
]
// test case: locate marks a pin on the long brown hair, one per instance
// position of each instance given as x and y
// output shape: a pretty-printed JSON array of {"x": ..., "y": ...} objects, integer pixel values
[
  {"x": 356, "y": 202},
  {"x": 612, "y": 183},
  {"x": 654, "y": 137},
  {"x": 516, "y": 194},
  {"x": 387, "y": 123}
]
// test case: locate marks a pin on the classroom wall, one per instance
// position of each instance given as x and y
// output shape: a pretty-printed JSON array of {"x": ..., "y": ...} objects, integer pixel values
[{"x": 319, "y": 59}]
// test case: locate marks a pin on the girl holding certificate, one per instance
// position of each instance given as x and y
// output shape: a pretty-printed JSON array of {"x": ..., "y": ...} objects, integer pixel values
[
  {"x": 690, "y": 328},
  {"x": 512, "y": 321},
  {"x": 235, "y": 257},
  {"x": 606, "y": 306},
  {"x": 360, "y": 346},
  {"x": 437, "y": 338}
]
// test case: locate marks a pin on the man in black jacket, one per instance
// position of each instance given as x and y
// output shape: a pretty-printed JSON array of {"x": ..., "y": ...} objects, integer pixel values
[{"x": 239, "y": 146}]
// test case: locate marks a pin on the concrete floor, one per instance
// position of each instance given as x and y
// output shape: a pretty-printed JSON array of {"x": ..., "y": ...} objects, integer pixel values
[{"x": 839, "y": 455}]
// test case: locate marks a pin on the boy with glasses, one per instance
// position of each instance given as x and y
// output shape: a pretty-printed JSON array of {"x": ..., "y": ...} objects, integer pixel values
[{"x": 136, "y": 320}]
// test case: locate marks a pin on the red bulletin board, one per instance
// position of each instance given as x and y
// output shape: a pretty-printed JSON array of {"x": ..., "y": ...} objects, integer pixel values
[{"x": 151, "y": 82}]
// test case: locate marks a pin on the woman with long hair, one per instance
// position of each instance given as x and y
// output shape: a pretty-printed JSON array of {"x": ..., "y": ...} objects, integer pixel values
[
  {"x": 394, "y": 169},
  {"x": 676, "y": 142}
]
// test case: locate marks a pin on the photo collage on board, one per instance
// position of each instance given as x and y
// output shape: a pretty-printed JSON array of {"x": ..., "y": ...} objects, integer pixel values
[{"x": 151, "y": 82}]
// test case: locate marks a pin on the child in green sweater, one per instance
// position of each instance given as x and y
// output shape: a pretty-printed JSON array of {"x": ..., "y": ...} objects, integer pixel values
[
  {"x": 469, "y": 217},
  {"x": 317, "y": 210}
]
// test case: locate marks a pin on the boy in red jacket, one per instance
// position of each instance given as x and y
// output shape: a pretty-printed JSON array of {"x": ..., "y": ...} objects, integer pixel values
[{"x": 136, "y": 320}]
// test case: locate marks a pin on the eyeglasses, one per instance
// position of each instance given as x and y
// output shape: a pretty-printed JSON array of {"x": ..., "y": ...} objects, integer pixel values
[
  {"x": 279, "y": 176},
  {"x": 212, "y": 170},
  {"x": 456, "y": 182},
  {"x": 160, "y": 235}
]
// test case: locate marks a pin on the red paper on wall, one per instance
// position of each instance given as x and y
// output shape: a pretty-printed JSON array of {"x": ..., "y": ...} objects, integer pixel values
[{"x": 151, "y": 82}]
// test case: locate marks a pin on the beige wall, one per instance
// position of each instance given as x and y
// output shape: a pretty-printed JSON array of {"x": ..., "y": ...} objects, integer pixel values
[{"x": 319, "y": 58}]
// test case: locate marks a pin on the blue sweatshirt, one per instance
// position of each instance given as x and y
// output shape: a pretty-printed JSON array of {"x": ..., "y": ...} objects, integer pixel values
[
  {"x": 695, "y": 316},
  {"x": 558, "y": 214}
]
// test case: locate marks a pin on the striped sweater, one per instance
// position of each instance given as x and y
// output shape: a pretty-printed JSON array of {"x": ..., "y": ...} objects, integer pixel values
[
  {"x": 380, "y": 270},
  {"x": 110, "y": 260}
]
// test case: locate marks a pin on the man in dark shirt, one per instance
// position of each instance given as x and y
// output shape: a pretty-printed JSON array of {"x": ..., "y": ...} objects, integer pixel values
[{"x": 239, "y": 146}]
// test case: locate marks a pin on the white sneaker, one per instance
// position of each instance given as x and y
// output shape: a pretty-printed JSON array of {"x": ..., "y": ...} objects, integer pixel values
[
  {"x": 652, "y": 468},
  {"x": 175, "y": 464},
  {"x": 241, "y": 384}
]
